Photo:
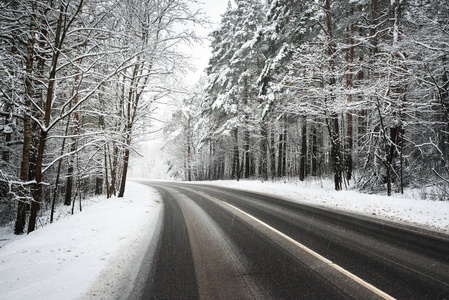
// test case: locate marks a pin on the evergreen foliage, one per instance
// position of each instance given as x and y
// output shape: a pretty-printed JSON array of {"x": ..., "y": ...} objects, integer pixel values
[{"x": 352, "y": 90}]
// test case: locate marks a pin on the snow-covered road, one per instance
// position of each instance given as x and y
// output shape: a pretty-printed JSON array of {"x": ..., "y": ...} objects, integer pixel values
[
  {"x": 90, "y": 255},
  {"x": 407, "y": 209}
]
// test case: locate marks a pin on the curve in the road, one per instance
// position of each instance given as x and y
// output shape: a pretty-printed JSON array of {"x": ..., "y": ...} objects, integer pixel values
[{"x": 225, "y": 255}]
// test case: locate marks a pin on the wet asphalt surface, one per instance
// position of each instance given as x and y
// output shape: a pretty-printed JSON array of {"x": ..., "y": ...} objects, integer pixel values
[{"x": 210, "y": 250}]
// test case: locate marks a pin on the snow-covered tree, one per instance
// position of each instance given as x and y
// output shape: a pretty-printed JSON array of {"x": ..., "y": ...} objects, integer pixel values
[
  {"x": 354, "y": 90},
  {"x": 80, "y": 79},
  {"x": 231, "y": 94}
]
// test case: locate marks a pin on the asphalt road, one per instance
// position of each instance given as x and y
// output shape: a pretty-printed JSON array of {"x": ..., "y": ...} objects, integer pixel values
[{"x": 219, "y": 243}]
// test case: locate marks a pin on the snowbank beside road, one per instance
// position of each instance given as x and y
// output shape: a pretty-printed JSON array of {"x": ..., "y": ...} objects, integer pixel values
[
  {"x": 81, "y": 256},
  {"x": 427, "y": 214}
]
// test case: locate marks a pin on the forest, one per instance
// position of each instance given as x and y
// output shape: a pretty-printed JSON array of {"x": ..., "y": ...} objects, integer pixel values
[
  {"x": 353, "y": 91},
  {"x": 79, "y": 81}
]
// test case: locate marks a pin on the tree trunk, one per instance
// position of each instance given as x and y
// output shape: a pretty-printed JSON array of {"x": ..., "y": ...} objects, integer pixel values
[
  {"x": 70, "y": 169},
  {"x": 121, "y": 192},
  {"x": 444, "y": 102},
  {"x": 113, "y": 162},
  {"x": 210, "y": 166},
  {"x": 335, "y": 152},
  {"x": 374, "y": 21},
  {"x": 189, "y": 151},
  {"x": 272, "y": 153},
  {"x": 37, "y": 193},
  {"x": 236, "y": 159},
  {"x": 21, "y": 209},
  {"x": 280, "y": 154},
  {"x": 315, "y": 149},
  {"x": 397, "y": 92},
  {"x": 69, "y": 183},
  {"x": 8, "y": 121},
  {"x": 132, "y": 101},
  {"x": 247, "y": 154},
  {"x": 58, "y": 172},
  {"x": 361, "y": 119},
  {"x": 127, "y": 145},
  {"x": 349, "y": 85},
  {"x": 106, "y": 173},
  {"x": 332, "y": 122},
  {"x": 284, "y": 152},
  {"x": 73, "y": 148},
  {"x": 303, "y": 155},
  {"x": 263, "y": 171},
  {"x": 5, "y": 154}
]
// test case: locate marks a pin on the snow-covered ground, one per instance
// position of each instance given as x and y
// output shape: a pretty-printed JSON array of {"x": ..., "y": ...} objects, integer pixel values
[
  {"x": 90, "y": 255},
  {"x": 94, "y": 254}
]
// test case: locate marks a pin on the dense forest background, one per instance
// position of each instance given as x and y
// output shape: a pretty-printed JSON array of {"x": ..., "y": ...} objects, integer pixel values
[
  {"x": 79, "y": 81},
  {"x": 355, "y": 91}
]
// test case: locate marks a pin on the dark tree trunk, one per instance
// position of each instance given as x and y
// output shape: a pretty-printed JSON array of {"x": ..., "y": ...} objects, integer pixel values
[
  {"x": 284, "y": 152},
  {"x": 444, "y": 101},
  {"x": 106, "y": 174},
  {"x": 5, "y": 154},
  {"x": 69, "y": 185},
  {"x": 73, "y": 148},
  {"x": 102, "y": 126},
  {"x": 333, "y": 128},
  {"x": 280, "y": 154},
  {"x": 189, "y": 152},
  {"x": 247, "y": 155},
  {"x": 98, "y": 185},
  {"x": 211, "y": 165},
  {"x": 70, "y": 169},
  {"x": 8, "y": 135},
  {"x": 303, "y": 154},
  {"x": 235, "y": 162},
  {"x": 272, "y": 153},
  {"x": 315, "y": 150},
  {"x": 361, "y": 122},
  {"x": 335, "y": 154},
  {"x": 332, "y": 123},
  {"x": 19, "y": 226},
  {"x": 236, "y": 159},
  {"x": 128, "y": 126},
  {"x": 348, "y": 152},
  {"x": 114, "y": 169},
  {"x": 263, "y": 171},
  {"x": 349, "y": 85},
  {"x": 121, "y": 192},
  {"x": 374, "y": 21},
  {"x": 37, "y": 193}
]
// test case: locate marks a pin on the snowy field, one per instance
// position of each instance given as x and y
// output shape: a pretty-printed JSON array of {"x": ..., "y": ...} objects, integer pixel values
[{"x": 93, "y": 254}]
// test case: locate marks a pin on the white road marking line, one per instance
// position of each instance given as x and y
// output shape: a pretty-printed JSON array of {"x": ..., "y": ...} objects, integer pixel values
[{"x": 320, "y": 257}]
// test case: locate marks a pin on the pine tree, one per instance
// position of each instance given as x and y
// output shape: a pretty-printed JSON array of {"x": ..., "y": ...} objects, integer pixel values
[{"x": 232, "y": 72}]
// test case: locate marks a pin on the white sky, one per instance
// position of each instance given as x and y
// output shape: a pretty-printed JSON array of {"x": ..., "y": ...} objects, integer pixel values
[{"x": 201, "y": 53}]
